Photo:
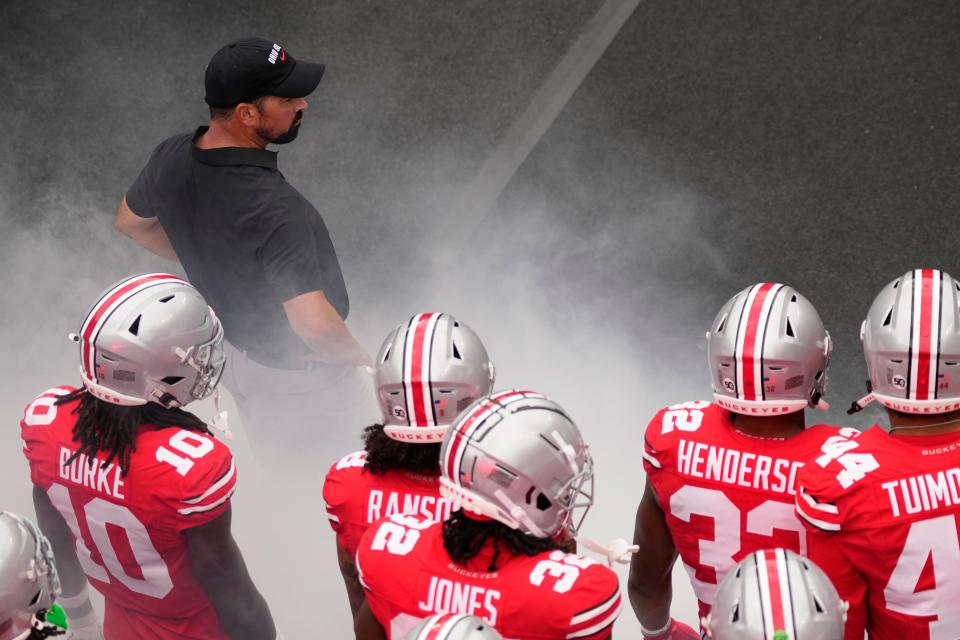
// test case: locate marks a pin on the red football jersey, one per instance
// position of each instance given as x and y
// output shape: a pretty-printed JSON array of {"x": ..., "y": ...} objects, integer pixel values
[
  {"x": 356, "y": 498},
  {"x": 408, "y": 576},
  {"x": 725, "y": 494},
  {"x": 884, "y": 519},
  {"x": 128, "y": 529}
]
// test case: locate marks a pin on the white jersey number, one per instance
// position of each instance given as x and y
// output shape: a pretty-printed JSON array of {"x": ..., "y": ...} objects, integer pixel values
[
  {"x": 935, "y": 540},
  {"x": 399, "y": 534},
  {"x": 719, "y": 552},
  {"x": 98, "y": 513}
]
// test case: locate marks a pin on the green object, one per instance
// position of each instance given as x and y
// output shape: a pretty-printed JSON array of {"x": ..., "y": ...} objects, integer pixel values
[
  {"x": 57, "y": 616},
  {"x": 781, "y": 635}
]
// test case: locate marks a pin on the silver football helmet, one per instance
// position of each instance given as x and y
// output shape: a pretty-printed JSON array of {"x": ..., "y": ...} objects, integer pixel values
[
  {"x": 453, "y": 626},
  {"x": 911, "y": 342},
  {"x": 429, "y": 369},
  {"x": 517, "y": 457},
  {"x": 768, "y": 352},
  {"x": 151, "y": 338},
  {"x": 28, "y": 577},
  {"x": 776, "y": 595}
]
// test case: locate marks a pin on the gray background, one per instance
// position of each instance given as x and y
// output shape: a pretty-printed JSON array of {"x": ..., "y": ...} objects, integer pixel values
[{"x": 714, "y": 144}]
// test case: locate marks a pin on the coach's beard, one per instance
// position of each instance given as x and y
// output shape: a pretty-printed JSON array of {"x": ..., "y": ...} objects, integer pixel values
[{"x": 290, "y": 135}]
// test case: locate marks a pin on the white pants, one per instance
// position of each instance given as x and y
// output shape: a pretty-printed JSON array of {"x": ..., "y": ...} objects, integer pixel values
[{"x": 310, "y": 416}]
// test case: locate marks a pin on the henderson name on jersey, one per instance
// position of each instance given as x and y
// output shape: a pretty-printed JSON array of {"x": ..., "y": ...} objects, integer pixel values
[
  {"x": 129, "y": 528},
  {"x": 408, "y": 576},
  {"x": 724, "y": 494},
  {"x": 884, "y": 518},
  {"x": 356, "y": 498}
]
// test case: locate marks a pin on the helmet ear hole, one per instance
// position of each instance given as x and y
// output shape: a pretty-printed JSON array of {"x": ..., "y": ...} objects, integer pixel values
[
  {"x": 35, "y": 599},
  {"x": 386, "y": 354},
  {"x": 735, "y": 614},
  {"x": 456, "y": 352},
  {"x": 135, "y": 327},
  {"x": 543, "y": 502},
  {"x": 790, "y": 329},
  {"x": 171, "y": 380}
]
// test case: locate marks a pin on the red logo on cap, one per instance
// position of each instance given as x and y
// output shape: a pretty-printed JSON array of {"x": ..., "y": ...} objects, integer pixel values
[{"x": 283, "y": 55}]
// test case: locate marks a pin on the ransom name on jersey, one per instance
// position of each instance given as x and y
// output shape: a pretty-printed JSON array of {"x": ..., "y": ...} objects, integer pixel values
[
  {"x": 448, "y": 596},
  {"x": 925, "y": 492},
  {"x": 90, "y": 472},
  {"x": 382, "y": 504},
  {"x": 734, "y": 467}
]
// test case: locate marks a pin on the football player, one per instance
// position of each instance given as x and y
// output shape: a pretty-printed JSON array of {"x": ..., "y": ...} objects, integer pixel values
[
  {"x": 721, "y": 476},
  {"x": 883, "y": 510},
  {"x": 29, "y": 584},
  {"x": 427, "y": 370},
  {"x": 133, "y": 491},
  {"x": 522, "y": 474},
  {"x": 453, "y": 626},
  {"x": 776, "y": 594}
]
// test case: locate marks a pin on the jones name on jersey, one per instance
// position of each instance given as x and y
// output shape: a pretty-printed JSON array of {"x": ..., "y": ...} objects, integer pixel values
[{"x": 408, "y": 576}]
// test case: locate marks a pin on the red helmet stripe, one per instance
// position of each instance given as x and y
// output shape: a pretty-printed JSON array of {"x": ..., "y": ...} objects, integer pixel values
[
  {"x": 107, "y": 305},
  {"x": 775, "y": 597},
  {"x": 750, "y": 336},
  {"x": 466, "y": 425},
  {"x": 924, "y": 334},
  {"x": 440, "y": 628},
  {"x": 417, "y": 352}
]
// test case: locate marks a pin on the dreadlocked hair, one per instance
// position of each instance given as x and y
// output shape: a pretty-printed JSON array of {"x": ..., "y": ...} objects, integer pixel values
[
  {"x": 105, "y": 427},
  {"x": 464, "y": 537},
  {"x": 386, "y": 454}
]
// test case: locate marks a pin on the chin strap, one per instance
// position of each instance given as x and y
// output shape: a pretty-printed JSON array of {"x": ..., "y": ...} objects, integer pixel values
[
  {"x": 617, "y": 551},
  {"x": 220, "y": 422},
  {"x": 860, "y": 404}
]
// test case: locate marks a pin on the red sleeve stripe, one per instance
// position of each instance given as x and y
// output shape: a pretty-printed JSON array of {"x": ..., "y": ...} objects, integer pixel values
[
  {"x": 597, "y": 619},
  {"x": 816, "y": 522},
  {"x": 826, "y": 507}
]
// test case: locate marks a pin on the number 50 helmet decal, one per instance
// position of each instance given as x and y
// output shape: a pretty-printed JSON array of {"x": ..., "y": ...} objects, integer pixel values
[
  {"x": 429, "y": 369},
  {"x": 151, "y": 338},
  {"x": 517, "y": 457},
  {"x": 768, "y": 352},
  {"x": 911, "y": 342},
  {"x": 776, "y": 595}
]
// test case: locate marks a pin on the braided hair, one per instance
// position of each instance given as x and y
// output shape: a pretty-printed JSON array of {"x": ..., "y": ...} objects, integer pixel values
[
  {"x": 386, "y": 454},
  {"x": 105, "y": 427},
  {"x": 464, "y": 537}
]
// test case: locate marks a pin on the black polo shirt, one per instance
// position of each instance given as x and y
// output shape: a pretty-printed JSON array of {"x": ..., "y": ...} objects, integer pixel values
[{"x": 247, "y": 239}]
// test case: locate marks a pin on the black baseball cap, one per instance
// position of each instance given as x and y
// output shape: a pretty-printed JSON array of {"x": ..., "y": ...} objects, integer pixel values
[{"x": 249, "y": 68}]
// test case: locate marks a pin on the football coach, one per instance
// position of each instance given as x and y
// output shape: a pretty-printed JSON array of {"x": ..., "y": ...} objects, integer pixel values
[{"x": 258, "y": 251}]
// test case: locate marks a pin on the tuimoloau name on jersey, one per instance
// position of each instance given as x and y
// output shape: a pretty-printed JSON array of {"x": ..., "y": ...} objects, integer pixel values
[
  {"x": 382, "y": 504},
  {"x": 924, "y": 492},
  {"x": 449, "y": 596},
  {"x": 90, "y": 472},
  {"x": 735, "y": 467}
]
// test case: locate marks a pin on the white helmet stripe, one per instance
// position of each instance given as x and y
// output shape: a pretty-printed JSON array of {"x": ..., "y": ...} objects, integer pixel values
[
  {"x": 924, "y": 334},
  {"x": 416, "y": 369},
  {"x": 468, "y": 424},
  {"x": 751, "y": 333},
  {"x": 106, "y": 305}
]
